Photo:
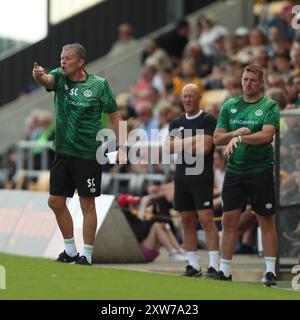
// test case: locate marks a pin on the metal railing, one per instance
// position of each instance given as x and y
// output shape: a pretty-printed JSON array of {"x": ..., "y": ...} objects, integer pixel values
[
  {"x": 25, "y": 161},
  {"x": 112, "y": 183},
  {"x": 287, "y": 182}
]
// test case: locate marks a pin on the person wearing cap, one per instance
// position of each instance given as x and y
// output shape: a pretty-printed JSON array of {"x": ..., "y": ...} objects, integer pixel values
[
  {"x": 127, "y": 199},
  {"x": 241, "y": 35},
  {"x": 150, "y": 235}
]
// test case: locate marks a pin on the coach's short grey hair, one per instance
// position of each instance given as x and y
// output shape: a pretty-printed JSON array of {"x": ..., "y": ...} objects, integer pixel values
[{"x": 78, "y": 48}]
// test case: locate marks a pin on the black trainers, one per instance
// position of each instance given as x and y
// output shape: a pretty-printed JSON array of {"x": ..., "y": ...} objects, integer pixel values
[
  {"x": 82, "y": 260},
  {"x": 192, "y": 272},
  {"x": 269, "y": 279},
  {"x": 63, "y": 257},
  {"x": 211, "y": 273},
  {"x": 220, "y": 276}
]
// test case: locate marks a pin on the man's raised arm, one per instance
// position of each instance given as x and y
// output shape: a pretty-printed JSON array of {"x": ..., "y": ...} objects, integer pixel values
[{"x": 41, "y": 77}]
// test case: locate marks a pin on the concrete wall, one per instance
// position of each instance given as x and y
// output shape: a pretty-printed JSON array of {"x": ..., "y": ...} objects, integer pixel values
[{"x": 28, "y": 227}]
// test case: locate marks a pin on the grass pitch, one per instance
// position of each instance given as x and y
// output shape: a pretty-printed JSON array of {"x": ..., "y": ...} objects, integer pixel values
[{"x": 35, "y": 278}]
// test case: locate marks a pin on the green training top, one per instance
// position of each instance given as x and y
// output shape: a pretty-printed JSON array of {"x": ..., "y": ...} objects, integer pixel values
[
  {"x": 78, "y": 108},
  {"x": 235, "y": 114}
]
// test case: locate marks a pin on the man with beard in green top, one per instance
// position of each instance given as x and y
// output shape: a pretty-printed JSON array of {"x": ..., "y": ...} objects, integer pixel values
[{"x": 246, "y": 125}]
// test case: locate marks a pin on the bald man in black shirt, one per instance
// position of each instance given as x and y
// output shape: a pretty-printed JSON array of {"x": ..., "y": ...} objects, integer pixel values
[{"x": 191, "y": 138}]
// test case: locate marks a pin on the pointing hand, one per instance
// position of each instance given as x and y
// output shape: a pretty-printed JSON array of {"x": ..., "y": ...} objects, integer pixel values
[{"x": 37, "y": 71}]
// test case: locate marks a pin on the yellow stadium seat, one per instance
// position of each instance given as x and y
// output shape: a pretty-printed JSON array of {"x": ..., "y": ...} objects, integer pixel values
[
  {"x": 274, "y": 8},
  {"x": 213, "y": 97},
  {"x": 42, "y": 183}
]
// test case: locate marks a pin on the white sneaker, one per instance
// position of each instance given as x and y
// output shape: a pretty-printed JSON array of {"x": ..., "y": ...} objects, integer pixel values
[{"x": 177, "y": 257}]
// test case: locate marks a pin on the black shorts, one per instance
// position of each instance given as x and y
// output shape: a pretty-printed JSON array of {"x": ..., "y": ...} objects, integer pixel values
[
  {"x": 255, "y": 189},
  {"x": 70, "y": 173},
  {"x": 192, "y": 195}
]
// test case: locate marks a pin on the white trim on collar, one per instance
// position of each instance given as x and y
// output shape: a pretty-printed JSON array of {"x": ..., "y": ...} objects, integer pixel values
[{"x": 195, "y": 116}]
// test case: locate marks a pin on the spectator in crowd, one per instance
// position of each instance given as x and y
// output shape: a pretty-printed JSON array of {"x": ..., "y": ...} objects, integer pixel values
[
  {"x": 284, "y": 20},
  {"x": 220, "y": 52},
  {"x": 293, "y": 90},
  {"x": 166, "y": 114},
  {"x": 32, "y": 123},
  {"x": 143, "y": 84},
  {"x": 241, "y": 38},
  {"x": 126, "y": 108},
  {"x": 174, "y": 41},
  {"x": 150, "y": 235},
  {"x": 156, "y": 56},
  {"x": 249, "y": 171},
  {"x": 165, "y": 190},
  {"x": 46, "y": 133},
  {"x": 187, "y": 75},
  {"x": 215, "y": 80},
  {"x": 278, "y": 43},
  {"x": 80, "y": 99},
  {"x": 275, "y": 80},
  {"x": 261, "y": 58},
  {"x": 193, "y": 192},
  {"x": 232, "y": 86},
  {"x": 278, "y": 96},
  {"x": 257, "y": 38},
  {"x": 230, "y": 45},
  {"x": 203, "y": 63},
  {"x": 125, "y": 39},
  {"x": 257, "y": 41},
  {"x": 160, "y": 197},
  {"x": 295, "y": 58},
  {"x": 209, "y": 33},
  {"x": 163, "y": 82},
  {"x": 282, "y": 65},
  {"x": 147, "y": 122},
  {"x": 152, "y": 95}
]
